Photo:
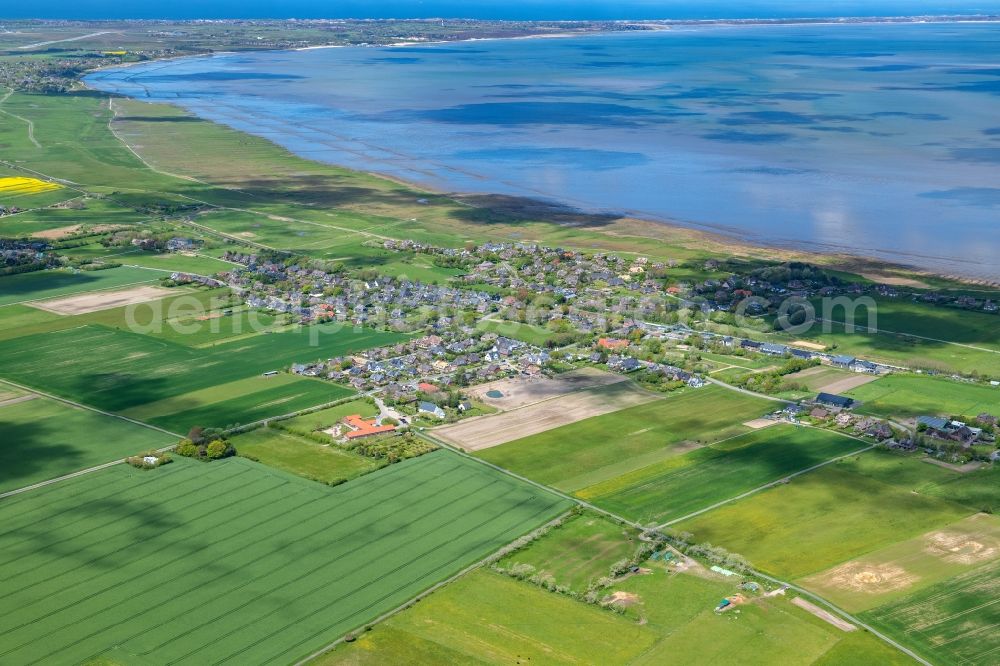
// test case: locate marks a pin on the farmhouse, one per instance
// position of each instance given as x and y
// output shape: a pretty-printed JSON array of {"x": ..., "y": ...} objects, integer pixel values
[
  {"x": 362, "y": 428},
  {"x": 430, "y": 408},
  {"x": 833, "y": 400},
  {"x": 612, "y": 343}
]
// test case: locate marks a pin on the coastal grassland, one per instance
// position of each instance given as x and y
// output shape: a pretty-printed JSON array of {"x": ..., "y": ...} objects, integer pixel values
[
  {"x": 189, "y": 563},
  {"x": 603, "y": 447},
  {"x": 579, "y": 551},
  {"x": 284, "y": 185},
  {"x": 952, "y": 622},
  {"x": 822, "y": 518},
  {"x": 677, "y": 486},
  {"x": 44, "y": 438},
  {"x": 116, "y": 370},
  {"x": 904, "y": 568},
  {"x": 298, "y": 455},
  {"x": 905, "y": 396},
  {"x": 62, "y": 282},
  {"x": 533, "y": 335},
  {"x": 487, "y": 618}
]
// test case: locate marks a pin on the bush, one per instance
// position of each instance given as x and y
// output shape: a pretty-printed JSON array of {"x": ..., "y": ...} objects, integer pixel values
[
  {"x": 217, "y": 449},
  {"x": 186, "y": 448}
]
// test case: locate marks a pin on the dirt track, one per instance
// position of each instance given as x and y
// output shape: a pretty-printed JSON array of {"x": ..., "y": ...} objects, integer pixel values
[{"x": 826, "y": 616}]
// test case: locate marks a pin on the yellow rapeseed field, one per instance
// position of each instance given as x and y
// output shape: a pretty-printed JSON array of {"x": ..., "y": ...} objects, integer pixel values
[{"x": 18, "y": 185}]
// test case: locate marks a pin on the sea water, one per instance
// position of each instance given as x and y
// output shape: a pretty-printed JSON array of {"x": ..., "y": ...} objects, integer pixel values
[{"x": 874, "y": 139}]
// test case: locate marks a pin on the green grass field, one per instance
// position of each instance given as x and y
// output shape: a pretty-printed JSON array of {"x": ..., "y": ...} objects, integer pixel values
[
  {"x": 533, "y": 335},
  {"x": 52, "y": 283},
  {"x": 944, "y": 325},
  {"x": 904, "y": 396},
  {"x": 677, "y": 486},
  {"x": 116, "y": 370},
  {"x": 820, "y": 519},
  {"x": 579, "y": 551},
  {"x": 269, "y": 401},
  {"x": 298, "y": 455},
  {"x": 487, "y": 618},
  {"x": 44, "y": 438},
  {"x": 904, "y": 568},
  {"x": 604, "y": 447},
  {"x": 952, "y": 622},
  {"x": 231, "y": 561},
  {"x": 324, "y": 418}
]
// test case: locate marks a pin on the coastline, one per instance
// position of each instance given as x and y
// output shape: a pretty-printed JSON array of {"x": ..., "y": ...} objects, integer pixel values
[{"x": 906, "y": 269}]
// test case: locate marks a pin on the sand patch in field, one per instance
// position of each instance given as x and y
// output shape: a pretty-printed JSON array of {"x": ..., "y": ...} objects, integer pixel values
[
  {"x": 961, "y": 547},
  {"x": 757, "y": 424},
  {"x": 101, "y": 300},
  {"x": 870, "y": 578}
]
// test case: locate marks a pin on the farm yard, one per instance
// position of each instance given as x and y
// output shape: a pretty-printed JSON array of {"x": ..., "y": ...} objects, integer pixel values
[
  {"x": 489, "y": 431},
  {"x": 672, "y": 488},
  {"x": 219, "y": 536},
  {"x": 604, "y": 447},
  {"x": 43, "y": 438}
]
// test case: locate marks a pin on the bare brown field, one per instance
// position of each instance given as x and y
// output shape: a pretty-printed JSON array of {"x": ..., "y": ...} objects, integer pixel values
[
  {"x": 520, "y": 391},
  {"x": 62, "y": 232},
  {"x": 757, "y": 424},
  {"x": 496, "y": 429},
  {"x": 101, "y": 300},
  {"x": 848, "y": 383},
  {"x": 805, "y": 344}
]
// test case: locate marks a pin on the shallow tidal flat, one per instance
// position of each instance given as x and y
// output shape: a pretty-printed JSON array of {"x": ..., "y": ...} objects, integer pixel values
[{"x": 880, "y": 140}]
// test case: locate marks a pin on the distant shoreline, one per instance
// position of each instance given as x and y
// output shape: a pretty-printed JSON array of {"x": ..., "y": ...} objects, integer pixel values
[{"x": 736, "y": 238}]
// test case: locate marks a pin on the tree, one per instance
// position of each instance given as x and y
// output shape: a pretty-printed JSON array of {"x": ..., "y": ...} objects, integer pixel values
[
  {"x": 196, "y": 435},
  {"x": 187, "y": 448},
  {"x": 216, "y": 449}
]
